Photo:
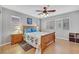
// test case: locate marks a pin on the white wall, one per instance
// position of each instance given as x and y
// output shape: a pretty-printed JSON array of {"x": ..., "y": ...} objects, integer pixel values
[
  {"x": 8, "y": 27},
  {"x": 73, "y": 24},
  {"x": 0, "y": 24}
]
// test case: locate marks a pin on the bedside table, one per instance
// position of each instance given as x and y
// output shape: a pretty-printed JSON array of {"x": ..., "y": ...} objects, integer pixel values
[{"x": 16, "y": 38}]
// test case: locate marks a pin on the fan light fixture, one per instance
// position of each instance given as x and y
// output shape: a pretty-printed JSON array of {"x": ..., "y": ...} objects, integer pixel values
[
  {"x": 43, "y": 15},
  {"x": 45, "y": 11}
]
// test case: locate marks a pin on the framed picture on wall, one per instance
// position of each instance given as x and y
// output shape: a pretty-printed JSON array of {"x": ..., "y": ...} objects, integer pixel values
[{"x": 29, "y": 20}]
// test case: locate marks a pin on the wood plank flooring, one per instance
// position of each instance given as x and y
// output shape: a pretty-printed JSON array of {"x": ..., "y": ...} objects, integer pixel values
[
  {"x": 15, "y": 49},
  {"x": 59, "y": 47},
  {"x": 62, "y": 47}
]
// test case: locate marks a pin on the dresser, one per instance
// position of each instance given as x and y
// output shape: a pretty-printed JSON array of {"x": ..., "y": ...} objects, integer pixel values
[{"x": 16, "y": 38}]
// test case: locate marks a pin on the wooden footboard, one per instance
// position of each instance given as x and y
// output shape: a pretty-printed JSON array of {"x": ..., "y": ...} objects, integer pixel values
[{"x": 46, "y": 40}]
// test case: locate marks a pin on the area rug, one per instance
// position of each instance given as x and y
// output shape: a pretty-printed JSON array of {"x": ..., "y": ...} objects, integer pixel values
[{"x": 25, "y": 45}]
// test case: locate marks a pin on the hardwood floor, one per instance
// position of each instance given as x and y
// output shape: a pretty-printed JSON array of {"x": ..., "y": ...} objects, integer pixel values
[
  {"x": 62, "y": 47},
  {"x": 15, "y": 49},
  {"x": 59, "y": 47}
]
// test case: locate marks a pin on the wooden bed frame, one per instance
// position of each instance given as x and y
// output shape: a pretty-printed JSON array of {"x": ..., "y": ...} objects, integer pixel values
[{"x": 46, "y": 40}]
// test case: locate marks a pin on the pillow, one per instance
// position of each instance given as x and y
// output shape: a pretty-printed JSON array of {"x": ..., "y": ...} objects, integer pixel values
[{"x": 33, "y": 30}]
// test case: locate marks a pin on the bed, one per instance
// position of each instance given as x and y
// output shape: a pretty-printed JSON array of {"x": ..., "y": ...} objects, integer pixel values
[{"x": 39, "y": 40}]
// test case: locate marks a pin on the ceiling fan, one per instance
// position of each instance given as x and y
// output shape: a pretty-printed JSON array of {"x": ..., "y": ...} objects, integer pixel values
[{"x": 45, "y": 11}]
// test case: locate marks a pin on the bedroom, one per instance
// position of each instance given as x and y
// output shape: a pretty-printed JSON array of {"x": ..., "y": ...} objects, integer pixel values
[{"x": 14, "y": 19}]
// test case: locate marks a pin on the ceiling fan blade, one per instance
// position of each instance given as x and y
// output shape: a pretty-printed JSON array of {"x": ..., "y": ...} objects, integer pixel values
[
  {"x": 51, "y": 10},
  {"x": 39, "y": 11}
]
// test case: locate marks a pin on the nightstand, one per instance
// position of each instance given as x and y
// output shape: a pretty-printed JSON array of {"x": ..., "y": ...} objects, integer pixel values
[{"x": 16, "y": 38}]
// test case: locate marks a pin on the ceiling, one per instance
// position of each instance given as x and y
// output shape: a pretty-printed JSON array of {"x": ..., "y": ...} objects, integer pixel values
[{"x": 31, "y": 9}]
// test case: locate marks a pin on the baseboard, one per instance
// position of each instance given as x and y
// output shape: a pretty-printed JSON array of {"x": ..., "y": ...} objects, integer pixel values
[
  {"x": 5, "y": 44},
  {"x": 62, "y": 38}
]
